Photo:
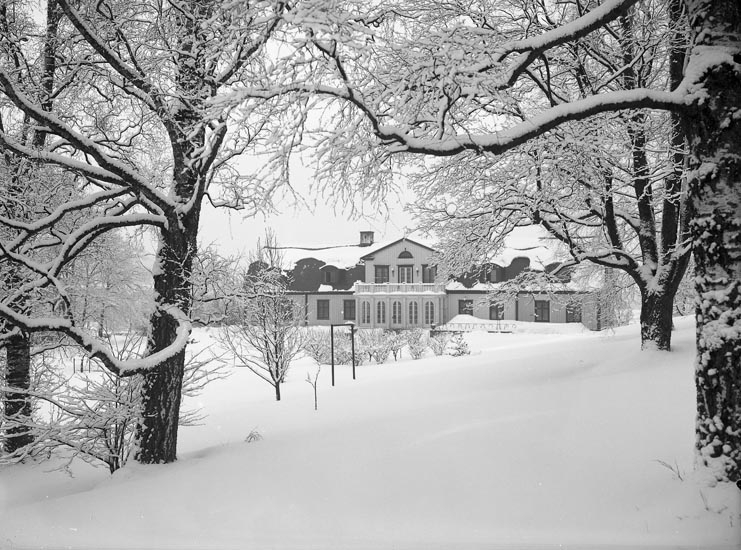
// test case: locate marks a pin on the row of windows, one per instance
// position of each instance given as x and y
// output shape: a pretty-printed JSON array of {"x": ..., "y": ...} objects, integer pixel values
[
  {"x": 404, "y": 274},
  {"x": 542, "y": 311},
  {"x": 348, "y": 312}
]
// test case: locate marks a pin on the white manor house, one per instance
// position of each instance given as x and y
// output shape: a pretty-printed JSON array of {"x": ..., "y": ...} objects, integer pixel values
[{"x": 395, "y": 286}]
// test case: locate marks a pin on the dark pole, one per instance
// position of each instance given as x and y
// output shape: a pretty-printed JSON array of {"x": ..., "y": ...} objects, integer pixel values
[
  {"x": 352, "y": 344},
  {"x": 331, "y": 345}
]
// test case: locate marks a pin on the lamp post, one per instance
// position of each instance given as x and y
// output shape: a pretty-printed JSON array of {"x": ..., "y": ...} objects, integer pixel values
[
  {"x": 352, "y": 345},
  {"x": 351, "y": 325}
]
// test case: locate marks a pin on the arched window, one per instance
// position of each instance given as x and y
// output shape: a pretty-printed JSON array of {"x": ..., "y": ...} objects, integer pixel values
[
  {"x": 413, "y": 313},
  {"x": 429, "y": 313},
  {"x": 396, "y": 313},
  {"x": 405, "y": 254},
  {"x": 381, "y": 313},
  {"x": 365, "y": 313}
]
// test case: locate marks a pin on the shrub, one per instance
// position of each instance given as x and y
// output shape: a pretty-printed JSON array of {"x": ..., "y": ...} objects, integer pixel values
[
  {"x": 458, "y": 345},
  {"x": 417, "y": 341},
  {"x": 439, "y": 342}
]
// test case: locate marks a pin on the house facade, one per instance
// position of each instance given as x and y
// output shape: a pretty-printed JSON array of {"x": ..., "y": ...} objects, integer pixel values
[{"x": 396, "y": 286}]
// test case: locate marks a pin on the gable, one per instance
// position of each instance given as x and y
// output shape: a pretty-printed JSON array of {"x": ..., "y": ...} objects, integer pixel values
[{"x": 418, "y": 251}]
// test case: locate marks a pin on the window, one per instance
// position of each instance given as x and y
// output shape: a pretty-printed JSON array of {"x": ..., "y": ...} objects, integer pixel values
[
  {"x": 465, "y": 307},
  {"x": 396, "y": 313},
  {"x": 405, "y": 254},
  {"x": 348, "y": 310},
  {"x": 382, "y": 274},
  {"x": 365, "y": 313},
  {"x": 429, "y": 273},
  {"x": 413, "y": 313},
  {"x": 496, "y": 312},
  {"x": 542, "y": 311},
  {"x": 405, "y": 274},
  {"x": 381, "y": 313},
  {"x": 329, "y": 276},
  {"x": 573, "y": 313},
  {"x": 322, "y": 309},
  {"x": 429, "y": 313}
]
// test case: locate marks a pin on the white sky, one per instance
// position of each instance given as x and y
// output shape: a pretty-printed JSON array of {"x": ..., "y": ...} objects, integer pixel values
[{"x": 233, "y": 233}]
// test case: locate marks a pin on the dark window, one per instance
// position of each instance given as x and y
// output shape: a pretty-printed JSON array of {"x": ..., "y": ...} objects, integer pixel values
[
  {"x": 327, "y": 276},
  {"x": 406, "y": 274},
  {"x": 429, "y": 273},
  {"x": 322, "y": 309},
  {"x": 405, "y": 254},
  {"x": 496, "y": 312},
  {"x": 365, "y": 313},
  {"x": 381, "y": 313},
  {"x": 396, "y": 313},
  {"x": 542, "y": 311},
  {"x": 429, "y": 313},
  {"x": 573, "y": 313},
  {"x": 413, "y": 313},
  {"x": 348, "y": 309},
  {"x": 382, "y": 274},
  {"x": 465, "y": 307}
]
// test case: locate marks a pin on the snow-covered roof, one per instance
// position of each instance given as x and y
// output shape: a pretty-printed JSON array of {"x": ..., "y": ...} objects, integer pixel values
[
  {"x": 341, "y": 256},
  {"x": 532, "y": 242},
  {"x": 569, "y": 286}
]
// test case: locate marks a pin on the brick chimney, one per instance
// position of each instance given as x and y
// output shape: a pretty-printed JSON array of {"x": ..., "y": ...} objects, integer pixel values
[{"x": 366, "y": 238}]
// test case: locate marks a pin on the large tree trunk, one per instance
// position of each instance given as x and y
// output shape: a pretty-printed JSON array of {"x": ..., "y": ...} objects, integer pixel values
[
  {"x": 157, "y": 430},
  {"x": 17, "y": 403},
  {"x": 714, "y": 132},
  {"x": 656, "y": 320}
]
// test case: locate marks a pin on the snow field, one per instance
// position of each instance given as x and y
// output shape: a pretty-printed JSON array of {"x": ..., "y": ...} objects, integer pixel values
[{"x": 533, "y": 439}]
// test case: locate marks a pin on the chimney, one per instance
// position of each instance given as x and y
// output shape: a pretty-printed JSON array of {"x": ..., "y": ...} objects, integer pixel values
[{"x": 366, "y": 238}]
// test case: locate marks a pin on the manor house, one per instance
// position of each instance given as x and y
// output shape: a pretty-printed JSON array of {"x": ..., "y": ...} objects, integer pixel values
[{"x": 396, "y": 286}]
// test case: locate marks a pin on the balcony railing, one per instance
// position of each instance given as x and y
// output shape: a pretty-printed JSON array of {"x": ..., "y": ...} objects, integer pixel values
[{"x": 399, "y": 288}]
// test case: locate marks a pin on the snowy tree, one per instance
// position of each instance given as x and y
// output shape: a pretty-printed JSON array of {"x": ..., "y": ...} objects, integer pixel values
[
  {"x": 130, "y": 120},
  {"x": 268, "y": 336},
  {"x": 403, "y": 81},
  {"x": 417, "y": 342},
  {"x": 26, "y": 186}
]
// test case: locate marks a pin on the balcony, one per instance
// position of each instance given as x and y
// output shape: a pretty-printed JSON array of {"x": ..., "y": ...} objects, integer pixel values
[{"x": 399, "y": 288}]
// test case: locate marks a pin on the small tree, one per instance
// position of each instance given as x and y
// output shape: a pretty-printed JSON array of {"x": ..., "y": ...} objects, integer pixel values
[
  {"x": 459, "y": 346},
  {"x": 438, "y": 342},
  {"x": 417, "y": 342},
  {"x": 268, "y": 337},
  {"x": 396, "y": 341},
  {"x": 313, "y": 382},
  {"x": 375, "y": 343}
]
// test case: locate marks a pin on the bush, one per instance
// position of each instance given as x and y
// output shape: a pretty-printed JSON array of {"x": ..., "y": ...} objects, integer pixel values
[
  {"x": 375, "y": 343},
  {"x": 397, "y": 341},
  {"x": 458, "y": 345},
  {"x": 439, "y": 342},
  {"x": 417, "y": 342},
  {"x": 318, "y": 345}
]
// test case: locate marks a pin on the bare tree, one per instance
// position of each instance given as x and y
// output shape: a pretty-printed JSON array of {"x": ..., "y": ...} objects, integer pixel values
[
  {"x": 268, "y": 336},
  {"x": 313, "y": 382}
]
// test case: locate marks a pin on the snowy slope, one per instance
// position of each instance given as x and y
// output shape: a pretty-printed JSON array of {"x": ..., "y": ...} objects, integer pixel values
[{"x": 533, "y": 439}]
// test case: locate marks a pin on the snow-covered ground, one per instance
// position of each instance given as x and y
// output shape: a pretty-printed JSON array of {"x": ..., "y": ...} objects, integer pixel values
[{"x": 574, "y": 439}]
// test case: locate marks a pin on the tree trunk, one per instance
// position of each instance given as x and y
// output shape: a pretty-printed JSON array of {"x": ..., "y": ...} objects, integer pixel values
[
  {"x": 17, "y": 403},
  {"x": 656, "y": 320},
  {"x": 157, "y": 430},
  {"x": 277, "y": 391},
  {"x": 714, "y": 132}
]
